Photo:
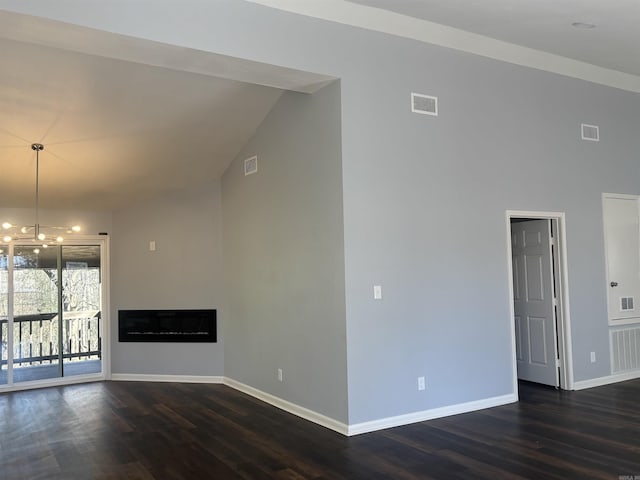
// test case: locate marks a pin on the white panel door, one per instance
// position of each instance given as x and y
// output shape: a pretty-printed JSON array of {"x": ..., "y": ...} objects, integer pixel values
[
  {"x": 534, "y": 305},
  {"x": 622, "y": 240}
]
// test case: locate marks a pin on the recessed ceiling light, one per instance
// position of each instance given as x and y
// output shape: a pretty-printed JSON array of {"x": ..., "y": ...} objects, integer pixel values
[{"x": 583, "y": 26}]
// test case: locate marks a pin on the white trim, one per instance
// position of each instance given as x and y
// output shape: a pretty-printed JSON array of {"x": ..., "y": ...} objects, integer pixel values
[
  {"x": 138, "y": 377},
  {"x": 621, "y": 321},
  {"x": 292, "y": 408},
  {"x": 566, "y": 345},
  {"x": 384, "y": 21},
  {"x": 609, "y": 379},
  {"x": 389, "y": 422},
  {"x": 512, "y": 312},
  {"x": 564, "y": 326},
  {"x": 105, "y": 265},
  {"x": 621, "y": 196}
]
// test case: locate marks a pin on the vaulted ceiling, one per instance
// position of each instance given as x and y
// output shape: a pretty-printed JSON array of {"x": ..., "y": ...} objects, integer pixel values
[
  {"x": 115, "y": 131},
  {"x": 122, "y": 119}
]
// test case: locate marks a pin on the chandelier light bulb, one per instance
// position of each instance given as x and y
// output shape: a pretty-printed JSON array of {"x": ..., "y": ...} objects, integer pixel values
[
  {"x": 6, "y": 238},
  {"x": 76, "y": 228},
  {"x": 59, "y": 239},
  {"x": 41, "y": 236},
  {"x": 44, "y": 245},
  {"x": 36, "y": 250},
  {"x": 24, "y": 230},
  {"x": 6, "y": 225}
]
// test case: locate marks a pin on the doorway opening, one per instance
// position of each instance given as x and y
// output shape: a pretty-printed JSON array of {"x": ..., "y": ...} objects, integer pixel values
[{"x": 539, "y": 303}]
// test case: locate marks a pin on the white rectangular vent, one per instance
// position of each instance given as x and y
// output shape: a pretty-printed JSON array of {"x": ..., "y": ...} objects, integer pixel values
[
  {"x": 590, "y": 132},
  {"x": 424, "y": 104},
  {"x": 626, "y": 304},
  {"x": 625, "y": 349},
  {"x": 251, "y": 165}
]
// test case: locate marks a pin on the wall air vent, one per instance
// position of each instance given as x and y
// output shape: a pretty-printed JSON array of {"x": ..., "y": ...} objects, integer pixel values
[
  {"x": 626, "y": 304},
  {"x": 590, "y": 132},
  {"x": 624, "y": 343},
  {"x": 251, "y": 165},
  {"x": 424, "y": 104}
]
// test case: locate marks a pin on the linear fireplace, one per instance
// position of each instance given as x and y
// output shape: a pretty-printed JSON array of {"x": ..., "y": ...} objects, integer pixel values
[{"x": 167, "y": 326}]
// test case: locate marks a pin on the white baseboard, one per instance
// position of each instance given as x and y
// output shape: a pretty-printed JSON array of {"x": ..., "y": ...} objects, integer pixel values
[
  {"x": 609, "y": 379},
  {"x": 287, "y": 406},
  {"x": 431, "y": 414},
  {"x": 135, "y": 377},
  {"x": 318, "y": 418}
]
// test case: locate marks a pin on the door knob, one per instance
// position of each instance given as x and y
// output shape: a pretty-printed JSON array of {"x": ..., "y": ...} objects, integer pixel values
[{"x": 614, "y": 284}]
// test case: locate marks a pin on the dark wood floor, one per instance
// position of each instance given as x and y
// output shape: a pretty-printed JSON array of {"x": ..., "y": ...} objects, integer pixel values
[{"x": 124, "y": 430}]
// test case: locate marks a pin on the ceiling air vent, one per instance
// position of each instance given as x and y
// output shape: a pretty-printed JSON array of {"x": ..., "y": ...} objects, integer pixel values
[
  {"x": 424, "y": 104},
  {"x": 590, "y": 132},
  {"x": 251, "y": 165}
]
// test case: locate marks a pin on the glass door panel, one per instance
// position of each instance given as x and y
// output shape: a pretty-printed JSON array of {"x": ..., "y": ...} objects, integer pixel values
[
  {"x": 36, "y": 324},
  {"x": 4, "y": 313},
  {"x": 81, "y": 309}
]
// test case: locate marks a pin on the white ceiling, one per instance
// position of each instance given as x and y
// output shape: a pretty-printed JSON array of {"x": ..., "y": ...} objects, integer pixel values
[
  {"x": 114, "y": 131},
  {"x": 541, "y": 24},
  {"x": 122, "y": 119}
]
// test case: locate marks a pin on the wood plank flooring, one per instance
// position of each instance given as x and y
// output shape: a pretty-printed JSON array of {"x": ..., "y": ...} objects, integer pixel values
[{"x": 122, "y": 430}]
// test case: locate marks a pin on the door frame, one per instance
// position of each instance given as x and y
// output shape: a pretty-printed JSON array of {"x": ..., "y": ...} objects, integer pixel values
[
  {"x": 621, "y": 196},
  {"x": 103, "y": 241},
  {"x": 563, "y": 323}
]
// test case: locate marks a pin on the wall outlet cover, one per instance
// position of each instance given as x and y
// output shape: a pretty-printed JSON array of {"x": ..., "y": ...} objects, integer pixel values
[{"x": 377, "y": 292}]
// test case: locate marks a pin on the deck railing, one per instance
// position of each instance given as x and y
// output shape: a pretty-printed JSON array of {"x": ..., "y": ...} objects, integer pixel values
[{"x": 36, "y": 338}]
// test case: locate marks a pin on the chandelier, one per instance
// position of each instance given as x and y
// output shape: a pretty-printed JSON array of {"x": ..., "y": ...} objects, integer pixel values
[{"x": 44, "y": 235}]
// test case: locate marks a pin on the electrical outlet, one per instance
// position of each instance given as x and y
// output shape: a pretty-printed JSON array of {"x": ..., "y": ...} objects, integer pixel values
[
  {"x": 377, "y": 292},
  {"x": 280, "y": 375},
  {"x": 593, "y": 357},
  {"x": 421, "y": 385}
]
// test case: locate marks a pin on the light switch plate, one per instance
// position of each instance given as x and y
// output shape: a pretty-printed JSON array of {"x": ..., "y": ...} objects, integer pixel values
[{"x": 377, "y": 292}]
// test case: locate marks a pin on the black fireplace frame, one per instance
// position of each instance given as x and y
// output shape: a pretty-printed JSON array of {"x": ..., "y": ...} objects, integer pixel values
[{"x": 172, "y": 326}]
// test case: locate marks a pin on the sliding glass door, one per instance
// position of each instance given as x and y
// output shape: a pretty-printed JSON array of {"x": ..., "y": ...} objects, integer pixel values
[
  {"x": 4, "y": 314},
  {"x": 36, "y": 329},
  {"x": 81, "y": 309},
  {"x": 50, "y": 312}
]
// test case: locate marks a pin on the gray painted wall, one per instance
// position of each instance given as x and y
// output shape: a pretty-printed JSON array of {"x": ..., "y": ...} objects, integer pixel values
[
  {"x": 284, "y": 257},
  {"x": 185, "y": 271},
  {"x": 424, "y": 198}
]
